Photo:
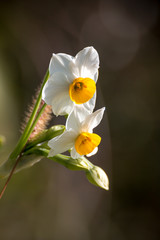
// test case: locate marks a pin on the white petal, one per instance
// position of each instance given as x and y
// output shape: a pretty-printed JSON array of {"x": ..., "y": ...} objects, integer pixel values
[
  {"x": 75, "y": 119},
  {"x": 61, "y": 143},
  {"x": 56, "y": 93},
  {"x": 62, "y": 104},
  {"x": 57, "y": 83},
  {"x": 95, "y": 77},
  {"x": 87, "y": 61},
  {"x": 75, "y": 154},
  {"x": 73, "y": 122},
  {"x": 90, "y": 105},
  {"x": 93, "y": 152},
  {"x": 92, "y": 120},
  {"x": 61, "y": 63},
  {"x": 61, "y": 108}
]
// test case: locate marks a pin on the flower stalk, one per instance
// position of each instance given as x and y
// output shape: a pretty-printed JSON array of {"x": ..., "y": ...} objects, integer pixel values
[
  {"x": 30, "y": 125},
  {"x": 15, "y": 156}
]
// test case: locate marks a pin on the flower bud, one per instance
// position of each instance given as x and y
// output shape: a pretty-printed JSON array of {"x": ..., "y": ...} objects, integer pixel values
[{"x": 98, "y": 177}]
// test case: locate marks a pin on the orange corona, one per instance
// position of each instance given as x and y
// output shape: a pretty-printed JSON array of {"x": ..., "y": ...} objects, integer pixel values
[
  {"x": 82, "y": 90},
  {"x": 87, "y": 142}
]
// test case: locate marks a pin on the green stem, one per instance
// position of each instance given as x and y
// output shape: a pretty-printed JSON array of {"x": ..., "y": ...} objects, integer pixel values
[
  {"x": 10, "y": 175},
  {"x": 16, "y": 154},
  {"x": 73, "y": 164},
  {"x": 30, "y": 125},
  {"x": 30, "y": 130}
]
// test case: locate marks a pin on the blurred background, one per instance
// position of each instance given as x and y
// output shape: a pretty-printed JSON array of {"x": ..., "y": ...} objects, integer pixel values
[{"x": 49, "y": 201}]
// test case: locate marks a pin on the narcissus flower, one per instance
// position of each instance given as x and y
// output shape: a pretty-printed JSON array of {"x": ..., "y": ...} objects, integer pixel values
[
  {"x": 72, "y": 81},
  {"x": 78, "y": 136}
]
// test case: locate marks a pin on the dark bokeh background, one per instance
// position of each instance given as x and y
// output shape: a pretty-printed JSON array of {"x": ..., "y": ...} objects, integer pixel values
[{"x": 48, "y": 201}]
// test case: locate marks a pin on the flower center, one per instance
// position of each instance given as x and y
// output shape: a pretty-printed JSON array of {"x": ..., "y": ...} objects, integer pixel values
[
  {"x": 82, "y": 90},
  {"x": 87, "y": 142}
]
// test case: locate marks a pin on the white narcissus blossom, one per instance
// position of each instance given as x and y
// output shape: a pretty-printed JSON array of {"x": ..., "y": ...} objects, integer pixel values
[
  {"x": 72, "y": 81},
  {"x": 78, "y": 136}
]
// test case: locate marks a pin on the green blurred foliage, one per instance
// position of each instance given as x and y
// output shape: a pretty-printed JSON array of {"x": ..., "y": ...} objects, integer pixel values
[{"x": 48, "y": 201}]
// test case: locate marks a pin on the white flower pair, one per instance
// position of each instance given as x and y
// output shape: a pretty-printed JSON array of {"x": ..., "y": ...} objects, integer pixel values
[{"x": 71, "y": 89}]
